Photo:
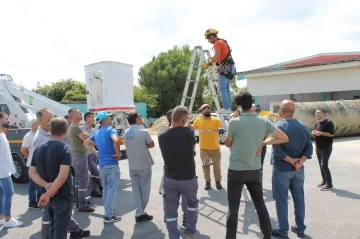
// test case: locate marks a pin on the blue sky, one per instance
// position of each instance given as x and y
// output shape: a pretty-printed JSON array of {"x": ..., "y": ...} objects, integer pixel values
[{"x": 50, "y": 40}]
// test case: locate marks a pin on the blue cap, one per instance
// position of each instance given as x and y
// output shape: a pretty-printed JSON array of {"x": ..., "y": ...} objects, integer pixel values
[{"x": 102, "y": 115}]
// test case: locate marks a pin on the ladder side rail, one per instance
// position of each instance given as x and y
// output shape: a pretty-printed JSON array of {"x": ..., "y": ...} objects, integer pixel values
[
  {"x": 188, "y": 78},
  {"x": 197, "y": 80},
  {"x": 213, "y": 91},
  {"x": 212, "y": 69}
]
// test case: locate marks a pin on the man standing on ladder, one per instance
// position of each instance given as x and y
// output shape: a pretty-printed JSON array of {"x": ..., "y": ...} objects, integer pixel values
[{"x": 226, "y": 66}]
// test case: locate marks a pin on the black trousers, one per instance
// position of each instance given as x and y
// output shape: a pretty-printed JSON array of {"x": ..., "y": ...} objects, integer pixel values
[
  {"x": 323, "y": 156},
  {"x": 59, "y": 210},
  {"x": 253, "y": 181}
]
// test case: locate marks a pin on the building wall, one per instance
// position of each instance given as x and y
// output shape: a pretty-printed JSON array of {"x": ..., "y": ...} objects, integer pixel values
[
  {"x": 345, "y": 95},
  {"x": 327, "y": 78},
  {"x": 307, "y": 97},
  {"x": 264, "y": 101}
]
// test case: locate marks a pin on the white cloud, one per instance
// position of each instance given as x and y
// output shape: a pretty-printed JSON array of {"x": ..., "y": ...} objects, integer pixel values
[{"x": 67, "y": 35}]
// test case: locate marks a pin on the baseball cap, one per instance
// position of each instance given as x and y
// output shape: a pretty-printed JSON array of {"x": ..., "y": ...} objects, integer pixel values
[
  {"x": 204, "y": 106},
  {"x": 102, "y": 115}
]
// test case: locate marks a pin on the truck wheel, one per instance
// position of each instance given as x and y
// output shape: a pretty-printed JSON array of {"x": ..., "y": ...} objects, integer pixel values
[{"x": 21, "y": 174}]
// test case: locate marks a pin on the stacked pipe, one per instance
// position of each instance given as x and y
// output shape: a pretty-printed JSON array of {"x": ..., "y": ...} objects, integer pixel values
[{"x": 344, "y": 113}]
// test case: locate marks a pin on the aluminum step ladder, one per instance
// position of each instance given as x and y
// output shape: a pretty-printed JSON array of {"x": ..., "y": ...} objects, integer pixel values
[{"x": 203, "y": 56}]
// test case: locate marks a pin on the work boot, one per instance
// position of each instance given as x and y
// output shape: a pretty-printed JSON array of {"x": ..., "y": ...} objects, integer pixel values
[
  {"x": 145, "y": 217},
  {"x": 207, "y": 185},
  {"x": 86, "y": 209},
  {"x": 299, "y": 234},
  {"x": 80, "y": 234},
  {"x": 96, "y": 194},
  {"x": 218, "y": 185},
  {"x": 88, "y": 202},
  {"x": 327, "y": 187},
  {"x": 320, "y": 185}
]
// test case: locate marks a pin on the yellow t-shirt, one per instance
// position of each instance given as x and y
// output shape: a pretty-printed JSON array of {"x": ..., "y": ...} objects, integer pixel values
[{"x": 208, "y": 132}]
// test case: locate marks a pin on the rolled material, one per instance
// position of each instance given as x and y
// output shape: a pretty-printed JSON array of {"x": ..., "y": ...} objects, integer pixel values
[{"x": 345, "y": 114}]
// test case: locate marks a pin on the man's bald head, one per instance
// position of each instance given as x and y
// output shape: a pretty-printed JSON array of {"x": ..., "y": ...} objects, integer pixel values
[
  {"x": 287, "y": 108},
  {"x": 44, "y": 116}
]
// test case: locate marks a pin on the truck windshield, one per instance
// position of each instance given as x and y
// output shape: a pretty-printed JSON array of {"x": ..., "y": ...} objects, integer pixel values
[{"x": 4, "y": 108}]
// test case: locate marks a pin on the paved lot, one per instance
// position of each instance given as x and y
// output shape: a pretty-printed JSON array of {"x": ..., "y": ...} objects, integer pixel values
[{"x": 333, "y": 214}]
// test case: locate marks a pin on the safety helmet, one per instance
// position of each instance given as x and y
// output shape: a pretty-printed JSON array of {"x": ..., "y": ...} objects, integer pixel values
[{"x": 210, "y": 31}]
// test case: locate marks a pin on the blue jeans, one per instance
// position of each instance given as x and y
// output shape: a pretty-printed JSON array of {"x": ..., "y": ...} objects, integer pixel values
[
  {"x": 110, "y": 176},
  {"x": 224, "y": 88},
  {"x": 6, "y": 193},
  {"x": 33, "y": 191},
  {"x": 281, "y": 183}
]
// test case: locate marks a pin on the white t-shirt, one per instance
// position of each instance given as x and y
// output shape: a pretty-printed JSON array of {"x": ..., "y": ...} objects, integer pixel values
[
  {"x": 7, "y": 167},
  {"x": 27, "y": 143}
]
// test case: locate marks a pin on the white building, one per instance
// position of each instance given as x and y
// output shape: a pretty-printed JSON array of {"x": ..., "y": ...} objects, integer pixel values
[{"x": 329, "y": 76}]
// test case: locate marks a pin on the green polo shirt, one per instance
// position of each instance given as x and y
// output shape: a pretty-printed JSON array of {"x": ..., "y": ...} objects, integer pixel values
[{"x": 247, "y": 132}]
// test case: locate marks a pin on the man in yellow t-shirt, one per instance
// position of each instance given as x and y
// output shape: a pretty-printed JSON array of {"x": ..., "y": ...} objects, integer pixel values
[{"x": 208, "y": 128}]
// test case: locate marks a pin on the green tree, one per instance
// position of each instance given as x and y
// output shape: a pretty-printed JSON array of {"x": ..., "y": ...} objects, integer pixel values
[
  {"x": 165, "y": 76},
  {"x": 72, "y": 95},
  {"x": 141, "y": 94},
  {"x": 63, "y": 90}
]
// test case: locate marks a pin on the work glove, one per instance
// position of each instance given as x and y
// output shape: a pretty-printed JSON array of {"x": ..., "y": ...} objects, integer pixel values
[{"x": 206, "y": 65}]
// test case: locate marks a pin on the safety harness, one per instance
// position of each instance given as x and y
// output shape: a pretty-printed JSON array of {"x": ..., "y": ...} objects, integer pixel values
[{"x": 228, "y": 60}]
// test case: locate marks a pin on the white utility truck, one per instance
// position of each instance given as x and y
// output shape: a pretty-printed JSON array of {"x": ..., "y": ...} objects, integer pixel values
[
  {"x": 21, "y": 105},
  {"x": 109, "y": 88}
]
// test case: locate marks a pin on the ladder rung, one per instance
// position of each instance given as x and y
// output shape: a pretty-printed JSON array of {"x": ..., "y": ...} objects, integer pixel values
[{"x": 195, "y": 81}]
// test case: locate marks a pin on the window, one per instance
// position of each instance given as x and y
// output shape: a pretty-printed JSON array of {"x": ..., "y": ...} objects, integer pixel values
[{"x": 4, "y": 108}]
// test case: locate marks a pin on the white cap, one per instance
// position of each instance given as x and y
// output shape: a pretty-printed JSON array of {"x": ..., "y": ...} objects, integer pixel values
[{"x": 33, "y": 121}]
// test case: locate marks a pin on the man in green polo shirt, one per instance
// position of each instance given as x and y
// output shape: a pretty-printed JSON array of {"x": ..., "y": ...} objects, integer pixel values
[{"x": 246, "y": 132}]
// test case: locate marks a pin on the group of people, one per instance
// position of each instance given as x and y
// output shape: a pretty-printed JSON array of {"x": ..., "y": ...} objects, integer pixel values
[
  {"x": 51, "y": 161},
  {"x": 60, "y": 153},
  {"x": 247, "y": 136}
]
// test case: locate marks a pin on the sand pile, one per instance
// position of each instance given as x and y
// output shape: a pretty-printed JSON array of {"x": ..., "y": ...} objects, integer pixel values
[
  {"x": 158, "y": 125},
  {"x": 274, "y": 118},
  {"x": 162, "y": 123}
]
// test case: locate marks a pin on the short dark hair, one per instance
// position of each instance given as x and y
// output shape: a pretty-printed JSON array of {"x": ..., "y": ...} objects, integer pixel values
[
  {"x": 67, "y": 117},
  {"x": 40, "y": 113},
  {"x": 168, "y": 115},
  {"x": 2, "y": 114},
  {"x": 58, "y": 126},
  {"x": 132, "y": 116},
  {"x": 179, "y": 113},
  {"x": 72, "y": 110},
  {"x": 322, "y": 110},
  {"x": 88, "y": 114},
  {"x": 244, "y": 100}
]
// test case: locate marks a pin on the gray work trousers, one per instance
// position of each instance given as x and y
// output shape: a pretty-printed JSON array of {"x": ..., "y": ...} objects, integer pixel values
[
  {"x": 172, "y": 191},
  {"x": 81, "y": 167},
  {"x": 45, "y": 225},
  {"x": 94, "y": 172},
  {"x": 141, "y": 184}
]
